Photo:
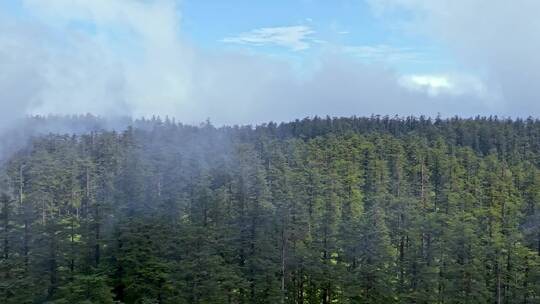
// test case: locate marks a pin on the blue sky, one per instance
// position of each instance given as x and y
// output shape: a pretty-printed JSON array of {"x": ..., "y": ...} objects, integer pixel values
[
  {"x": 240, "y": 61},
  {"x": 350, "y": 25}
]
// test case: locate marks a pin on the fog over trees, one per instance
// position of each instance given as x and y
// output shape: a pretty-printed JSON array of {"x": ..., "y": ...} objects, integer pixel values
[{"x": 319, "y": 210}]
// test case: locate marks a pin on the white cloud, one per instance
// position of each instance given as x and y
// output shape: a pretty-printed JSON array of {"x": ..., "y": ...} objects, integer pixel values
[
  {"x": 432, "y": 84},
  {"x": 297, "y": 37},
  {"x": 47, "y": 66},
  {"x": 94, "y": 72},
  {"x": 450, "y": 84}
]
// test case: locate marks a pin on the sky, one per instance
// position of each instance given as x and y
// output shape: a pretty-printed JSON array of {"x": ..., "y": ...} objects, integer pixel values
[{"x": 248, "y": 62}]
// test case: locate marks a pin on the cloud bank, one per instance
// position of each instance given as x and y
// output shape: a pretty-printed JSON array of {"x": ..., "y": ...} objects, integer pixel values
[
  {"x": 120, "y": 57},
  {"x": 498, "y": 38}
]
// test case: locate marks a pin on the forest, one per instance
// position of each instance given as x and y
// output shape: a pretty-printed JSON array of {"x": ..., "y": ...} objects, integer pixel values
[{"x": 315, "y": 211}]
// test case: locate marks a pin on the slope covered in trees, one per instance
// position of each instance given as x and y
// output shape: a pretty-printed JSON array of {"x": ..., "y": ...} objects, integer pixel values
[{"x": 349, "y": 210}]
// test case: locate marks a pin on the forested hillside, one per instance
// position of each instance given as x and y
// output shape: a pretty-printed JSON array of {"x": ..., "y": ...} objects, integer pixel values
[{"x": 349, "y": 210}]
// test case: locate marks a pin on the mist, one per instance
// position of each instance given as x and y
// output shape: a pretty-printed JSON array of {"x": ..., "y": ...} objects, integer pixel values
[
  {"x": 269, "y": 163},
  {"x": 132, "y": 59}
]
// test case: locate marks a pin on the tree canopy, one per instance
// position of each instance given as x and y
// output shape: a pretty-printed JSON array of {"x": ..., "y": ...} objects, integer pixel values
[{"x": 320, "y": 210}]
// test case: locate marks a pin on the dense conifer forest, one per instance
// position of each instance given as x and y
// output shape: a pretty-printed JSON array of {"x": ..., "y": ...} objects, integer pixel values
[{"x": 320, "y": 210}]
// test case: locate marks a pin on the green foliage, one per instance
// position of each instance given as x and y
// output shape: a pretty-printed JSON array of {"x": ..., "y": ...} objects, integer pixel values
[
  {"x": 351, "y": 210},
  {"x": 85, "y": 289}
]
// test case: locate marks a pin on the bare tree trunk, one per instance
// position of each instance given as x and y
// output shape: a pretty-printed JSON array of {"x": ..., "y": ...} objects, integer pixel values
[
  {"x": 97, "y": 251},
  {"x": 498, "y": 283},
  {"x": 26, "y": 236},
  {"x": 283, "y": 243}
]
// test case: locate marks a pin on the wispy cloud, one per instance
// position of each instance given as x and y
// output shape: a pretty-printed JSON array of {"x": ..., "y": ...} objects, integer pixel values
[
  {"x": 297, "y": 37},
  {"x": 383, "y": 53}
]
